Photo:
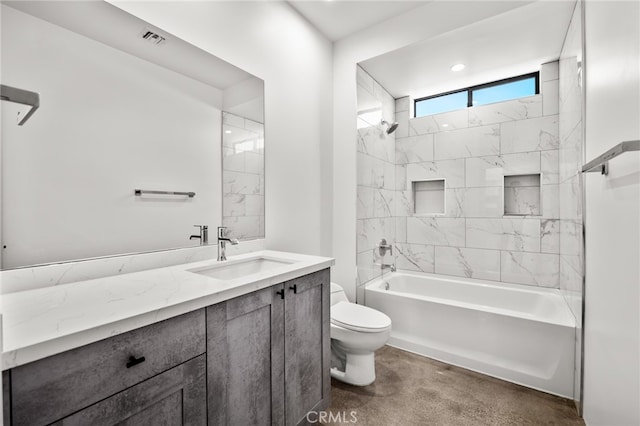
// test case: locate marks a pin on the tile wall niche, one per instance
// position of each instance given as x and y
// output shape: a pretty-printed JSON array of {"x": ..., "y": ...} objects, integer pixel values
[
  {"x": 473, "y": 150},
  {"x": 376, "y": 168},
  {"x": 522, "y": 195},
  {"x": 242, "y": 177}
]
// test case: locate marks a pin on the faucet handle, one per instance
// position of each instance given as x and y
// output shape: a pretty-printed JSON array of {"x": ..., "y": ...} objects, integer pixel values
[
  {"x": 383, "y": 247},
  {"x": 222, "y": 232}
]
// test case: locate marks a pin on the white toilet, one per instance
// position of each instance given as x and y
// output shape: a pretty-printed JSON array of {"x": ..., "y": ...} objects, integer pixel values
[{"x": 356, "y": 333}]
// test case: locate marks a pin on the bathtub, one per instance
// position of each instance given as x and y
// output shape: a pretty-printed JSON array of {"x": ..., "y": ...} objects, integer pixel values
[{"x": 522, "y": 334}]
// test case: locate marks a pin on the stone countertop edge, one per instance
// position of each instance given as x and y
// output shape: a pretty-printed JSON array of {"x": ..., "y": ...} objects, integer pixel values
[{"x": 44, "y": 322}]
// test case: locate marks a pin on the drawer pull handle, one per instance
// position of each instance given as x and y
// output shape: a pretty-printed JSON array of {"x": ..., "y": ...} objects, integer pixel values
[
  {"x": 281, "y": 293},
  {"x": 294, "y": 288},
  {"x": 134, "y": 361}
]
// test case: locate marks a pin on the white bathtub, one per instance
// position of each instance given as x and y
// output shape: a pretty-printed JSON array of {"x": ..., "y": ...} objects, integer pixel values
[{"x": 522, "y": 334}]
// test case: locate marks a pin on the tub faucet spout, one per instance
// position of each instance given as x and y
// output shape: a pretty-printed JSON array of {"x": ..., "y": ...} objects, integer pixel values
[{"x": 391, "y": 267}]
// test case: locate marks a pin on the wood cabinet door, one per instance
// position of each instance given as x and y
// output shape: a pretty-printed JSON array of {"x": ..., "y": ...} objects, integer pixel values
[
  {"x": 307, "y": 346},
  {"x": 245, "y": 348},
  {"x": 175, "y": 397}
]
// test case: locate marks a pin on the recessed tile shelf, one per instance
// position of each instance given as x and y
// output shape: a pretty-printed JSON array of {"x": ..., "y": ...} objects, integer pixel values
[
  {"x": 428, "y": 196},
  {"x": 522, "y": 195}
]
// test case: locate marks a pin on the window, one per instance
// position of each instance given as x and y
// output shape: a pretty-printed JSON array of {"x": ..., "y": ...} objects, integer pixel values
[
  {"x": 497, "y": 91},
  {"x": 442, "y": 103},
  {"x": 504, "y": 90}
]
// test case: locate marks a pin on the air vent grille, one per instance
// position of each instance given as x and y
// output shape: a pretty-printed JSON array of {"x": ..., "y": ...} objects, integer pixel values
[{"x": 152, "y": 37}]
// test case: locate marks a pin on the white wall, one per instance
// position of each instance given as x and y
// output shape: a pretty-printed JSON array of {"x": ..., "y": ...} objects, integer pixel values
[
  {"x": 108, "y": 123},
  {"x": 612, "y": 220},
  {"x": 245, "y": 99},
  {"x": 271, "y": 41},
  {"x": 417, "y": 25}
]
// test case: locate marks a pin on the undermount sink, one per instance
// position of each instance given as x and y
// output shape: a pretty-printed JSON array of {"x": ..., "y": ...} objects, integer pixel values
[{"x": 241, "y": 268}]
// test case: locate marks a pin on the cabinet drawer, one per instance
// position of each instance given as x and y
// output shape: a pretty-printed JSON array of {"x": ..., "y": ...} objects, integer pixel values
[
  {"x": 175, "y": 397},
  {"x": 47, "y": 390}
]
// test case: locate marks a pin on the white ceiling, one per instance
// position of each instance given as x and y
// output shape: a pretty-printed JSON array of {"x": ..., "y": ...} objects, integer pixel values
[
  {"x": 506, "y": 45},
  {"x": 338, "y": 19},
  {"x": 114, "y": 27}
]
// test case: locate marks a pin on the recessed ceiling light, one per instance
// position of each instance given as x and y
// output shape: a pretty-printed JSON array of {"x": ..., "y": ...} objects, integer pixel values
[
  {"x": 227, "y": 131},
  {"x": 457, "y": 67}
]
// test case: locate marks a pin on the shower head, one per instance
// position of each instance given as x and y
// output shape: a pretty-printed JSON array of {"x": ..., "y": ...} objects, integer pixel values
[{"x": 391, "y": 127}]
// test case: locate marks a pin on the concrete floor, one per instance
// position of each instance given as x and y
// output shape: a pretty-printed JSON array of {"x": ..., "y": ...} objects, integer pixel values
[{"x": 411, "y": 390}]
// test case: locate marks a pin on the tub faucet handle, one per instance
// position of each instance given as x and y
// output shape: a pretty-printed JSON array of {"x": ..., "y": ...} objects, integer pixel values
[{"x": 383, "y": 247}]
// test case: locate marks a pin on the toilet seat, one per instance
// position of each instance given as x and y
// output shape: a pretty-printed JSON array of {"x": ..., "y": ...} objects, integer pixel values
[{"x": 359, "y": 318}]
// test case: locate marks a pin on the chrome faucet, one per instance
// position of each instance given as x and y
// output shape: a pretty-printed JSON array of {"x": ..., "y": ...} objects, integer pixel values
[
  {"x": 203, "y": 236},
  {"x": 390, "y": 266},
  {"x": 222, "y": 243}
]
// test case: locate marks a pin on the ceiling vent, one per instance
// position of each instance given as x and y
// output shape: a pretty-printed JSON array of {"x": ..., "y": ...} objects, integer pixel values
[{"x": 152, "y": 37}]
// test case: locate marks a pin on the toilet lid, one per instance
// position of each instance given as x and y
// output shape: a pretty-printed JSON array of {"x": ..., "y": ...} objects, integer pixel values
[{"x": 359, "y": 318}]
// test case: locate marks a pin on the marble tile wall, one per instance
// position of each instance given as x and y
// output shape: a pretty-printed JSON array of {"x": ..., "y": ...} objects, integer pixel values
[
  {"x": 472, "y": 150},
  {"x": 570, "y": 160},
  {"x": 376, "y": 168},
  {"x": 570, "y": 180},
  {"x": 242, "y": 177}
]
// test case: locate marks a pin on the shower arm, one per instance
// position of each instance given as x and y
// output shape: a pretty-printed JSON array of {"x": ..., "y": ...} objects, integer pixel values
[{"x": 20, "y": 96}]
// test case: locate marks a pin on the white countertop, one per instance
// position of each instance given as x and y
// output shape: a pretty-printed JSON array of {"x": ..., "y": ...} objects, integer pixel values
[{"x": 46, "y": 321}]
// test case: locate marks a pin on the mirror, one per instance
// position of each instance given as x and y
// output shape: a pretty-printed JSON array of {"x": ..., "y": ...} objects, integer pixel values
[
  {"x": 123, "y": 106},
  {"x": 243, "y": 176}
]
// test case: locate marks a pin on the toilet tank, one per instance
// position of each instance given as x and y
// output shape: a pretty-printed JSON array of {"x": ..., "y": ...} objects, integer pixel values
[{"x": 337, "y": 294}]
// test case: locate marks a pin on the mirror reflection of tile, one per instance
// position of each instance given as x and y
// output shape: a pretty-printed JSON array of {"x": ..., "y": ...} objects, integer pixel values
[{"x": 243, "y": 176}]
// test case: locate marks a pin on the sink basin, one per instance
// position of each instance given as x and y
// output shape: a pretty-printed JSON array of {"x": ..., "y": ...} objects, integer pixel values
[{"x": 230, "y": 271}]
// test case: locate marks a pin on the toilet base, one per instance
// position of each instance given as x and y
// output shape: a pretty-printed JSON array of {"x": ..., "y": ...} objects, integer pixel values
[{"x": 359, "y": 370}]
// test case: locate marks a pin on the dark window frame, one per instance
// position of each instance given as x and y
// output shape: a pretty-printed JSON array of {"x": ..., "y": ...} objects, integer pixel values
[{"x": 470, "y": 89}]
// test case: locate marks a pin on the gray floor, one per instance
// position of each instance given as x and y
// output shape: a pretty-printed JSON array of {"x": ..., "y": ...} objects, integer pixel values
[{"x": 414, "y": 390}]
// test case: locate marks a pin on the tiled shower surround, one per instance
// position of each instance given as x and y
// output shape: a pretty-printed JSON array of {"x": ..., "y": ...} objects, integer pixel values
[
  {"x": 242, "y": 177},
  {"x": 570, "y": 179},
  {"x": 472, "y": 150},
  {"x": 571, "y": 160},
  {"x": 376, "y": 176}
]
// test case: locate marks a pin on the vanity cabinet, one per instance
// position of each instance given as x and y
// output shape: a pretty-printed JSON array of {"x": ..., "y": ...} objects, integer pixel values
[
  {"x": 52, "y": 389},
  {"x": 258, "y": 359},
  {"x": 268, "y": 354}
]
